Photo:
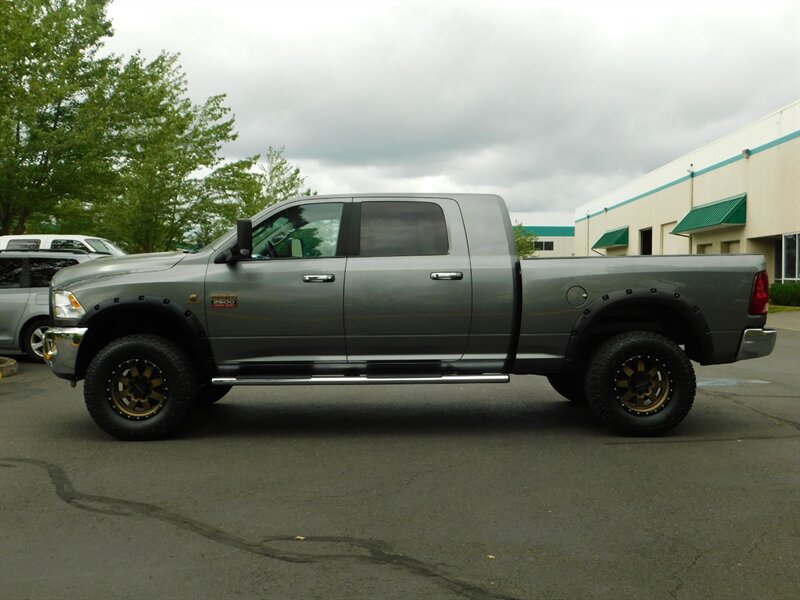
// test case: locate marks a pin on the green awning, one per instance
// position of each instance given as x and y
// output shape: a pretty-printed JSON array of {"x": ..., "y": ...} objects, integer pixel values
[
  {"x": 616, "y": 238},
  {"x": 724, "y": 213}
]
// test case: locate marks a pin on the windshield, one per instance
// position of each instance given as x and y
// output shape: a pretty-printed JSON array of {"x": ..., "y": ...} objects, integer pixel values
[{"x": 105, "y": 247}]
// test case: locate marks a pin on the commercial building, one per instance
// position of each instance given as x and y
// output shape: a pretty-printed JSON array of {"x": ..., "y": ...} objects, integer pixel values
[
  {"x": 739, "y": 194},
  {"x": 552, "y": 241}
]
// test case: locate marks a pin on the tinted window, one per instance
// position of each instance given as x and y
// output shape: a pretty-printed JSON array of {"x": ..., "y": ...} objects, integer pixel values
[
  {"x": 10, "y": 272},
  {"x": 306, "y": 231},
  {"x": 402, "y": 229},
  {"x": 22, "y": 245},
  {"x": 67, "y": 245},
  {"x": 43, "y": 269}
]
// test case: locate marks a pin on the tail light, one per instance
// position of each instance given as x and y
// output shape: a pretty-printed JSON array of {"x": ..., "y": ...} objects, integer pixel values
[{"x": 759, "y": 299}]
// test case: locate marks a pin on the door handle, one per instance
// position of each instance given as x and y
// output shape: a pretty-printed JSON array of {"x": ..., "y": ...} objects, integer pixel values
[
  {"x": 455, "y": 275},
  {"x": 319, "y": 278}
]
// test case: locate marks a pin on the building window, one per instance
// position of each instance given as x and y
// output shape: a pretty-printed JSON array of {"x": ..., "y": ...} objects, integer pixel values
[
  {"x": 730, "y": 247},
  {"x": 703, "y": 248},
  {"x": 645, "y": 242},
  {"x": 544, "y": 246},
  {"x": 791, "y": 269}
]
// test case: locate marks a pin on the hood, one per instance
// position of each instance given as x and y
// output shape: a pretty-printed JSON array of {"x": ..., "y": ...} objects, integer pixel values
[{"x": 106, "y": 267}]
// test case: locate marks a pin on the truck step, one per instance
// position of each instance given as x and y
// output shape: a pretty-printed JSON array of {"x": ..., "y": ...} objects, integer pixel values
[{"x": 362, "y": 380}]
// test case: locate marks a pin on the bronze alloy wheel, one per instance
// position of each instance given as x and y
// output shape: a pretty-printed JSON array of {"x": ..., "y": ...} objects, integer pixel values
[
  {"x": 643, "y": 385},
  {"x": 640, "y": 383},
  {"x": 137, "y": 389}
]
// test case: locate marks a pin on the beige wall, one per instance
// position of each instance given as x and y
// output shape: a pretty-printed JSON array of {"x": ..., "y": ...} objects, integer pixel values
[
  {"x": 770, "y": 178},
  {"x": 562, "y": 246}
]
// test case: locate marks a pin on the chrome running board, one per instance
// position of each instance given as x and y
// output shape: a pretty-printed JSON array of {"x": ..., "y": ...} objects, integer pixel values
[{"x": 365, "y": 380}]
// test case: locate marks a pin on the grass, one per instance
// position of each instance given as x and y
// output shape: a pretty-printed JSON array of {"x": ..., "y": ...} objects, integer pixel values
[{"x": 774, "y": 308}]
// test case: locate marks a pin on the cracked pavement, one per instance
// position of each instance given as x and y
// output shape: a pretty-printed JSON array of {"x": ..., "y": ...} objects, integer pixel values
[{"x": 477, "y": 492}]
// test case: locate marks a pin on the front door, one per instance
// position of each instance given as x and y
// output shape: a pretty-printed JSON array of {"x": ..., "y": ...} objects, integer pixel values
[{"x": 285, "y": 304}]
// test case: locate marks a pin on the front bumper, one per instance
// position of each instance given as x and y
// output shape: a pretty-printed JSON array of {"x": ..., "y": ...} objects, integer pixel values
[
  {"x": 756, "y": 342},
  {"x": 61, "y": 349}
]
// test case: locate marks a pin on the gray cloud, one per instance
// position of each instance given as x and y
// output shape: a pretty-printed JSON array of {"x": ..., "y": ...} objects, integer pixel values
[{"x": 550, "y": 104}]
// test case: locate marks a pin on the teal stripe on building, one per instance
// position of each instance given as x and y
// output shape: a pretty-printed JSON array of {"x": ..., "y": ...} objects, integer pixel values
[
  {"x": 698, "y": 173},
  {"x": 548, "y": 231}
]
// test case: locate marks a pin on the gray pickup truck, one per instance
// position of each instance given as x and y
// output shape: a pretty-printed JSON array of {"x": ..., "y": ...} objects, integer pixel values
[{"x": 393, "y": 289}]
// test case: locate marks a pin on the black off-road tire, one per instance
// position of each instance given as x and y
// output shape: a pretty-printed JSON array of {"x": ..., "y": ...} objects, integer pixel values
[
  {"x": 640, "y": 384},
  {"x": 570, "y": 385},
  {"x": 208, "y": 394},
  {"x": 32, "y": 341},
  {"x": 140, "y": 387}
]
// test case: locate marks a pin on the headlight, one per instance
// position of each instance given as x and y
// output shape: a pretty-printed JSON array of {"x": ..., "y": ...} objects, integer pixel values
[{"x": 66, "y": 306}]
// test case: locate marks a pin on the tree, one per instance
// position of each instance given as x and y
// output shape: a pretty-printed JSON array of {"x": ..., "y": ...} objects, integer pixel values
[
  {"x": 52, "y": 143},
  {"x": 526, "y": 242},
  {"x": 172, "y": 179},
  {"x": 240, "y": 190},
  {"x": 114, "y": 147},
  {"x": 280, "y": 180}
]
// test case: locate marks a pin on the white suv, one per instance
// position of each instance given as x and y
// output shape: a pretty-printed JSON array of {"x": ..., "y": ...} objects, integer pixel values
[{"x": 37, "y": 241}]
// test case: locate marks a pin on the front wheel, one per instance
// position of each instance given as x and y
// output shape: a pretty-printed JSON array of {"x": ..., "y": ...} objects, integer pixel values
[
  {"x": 140, "y": 387},
  {"x": 640, "y": 383}
]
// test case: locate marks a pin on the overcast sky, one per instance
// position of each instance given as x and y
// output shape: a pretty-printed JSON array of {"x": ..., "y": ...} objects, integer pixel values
[{"x": 550, "y": 105}]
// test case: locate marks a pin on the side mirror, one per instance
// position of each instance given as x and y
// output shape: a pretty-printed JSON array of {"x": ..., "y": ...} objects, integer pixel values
[
  {"x": 243, "y": 248},
  {"x": 244, "y": 237}
]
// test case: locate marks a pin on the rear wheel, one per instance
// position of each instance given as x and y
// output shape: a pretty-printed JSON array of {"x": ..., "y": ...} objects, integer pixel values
[
  {"x": 640, "y": 383},
  {"x": 33, "y": 338},
  {"x": 139, "y": 387}
]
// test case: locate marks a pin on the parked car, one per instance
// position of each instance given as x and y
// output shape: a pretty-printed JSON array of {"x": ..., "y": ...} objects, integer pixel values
[
  {"x": 84, "y": 243},
  {"x": 382, "y": 289},
  {"x": 24, "y": 299}
]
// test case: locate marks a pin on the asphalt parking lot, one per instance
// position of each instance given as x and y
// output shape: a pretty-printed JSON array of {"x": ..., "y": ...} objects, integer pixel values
[{"x": 482, "y": 492}]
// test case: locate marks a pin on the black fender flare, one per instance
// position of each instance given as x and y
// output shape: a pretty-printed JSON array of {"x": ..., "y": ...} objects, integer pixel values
[
  {"x": 672, "y": 300},
  {"x": 187, "y": 323}
]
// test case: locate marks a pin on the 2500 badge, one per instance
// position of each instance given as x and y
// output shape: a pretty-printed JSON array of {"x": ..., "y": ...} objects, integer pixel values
[{"x": 224, "y": 301}]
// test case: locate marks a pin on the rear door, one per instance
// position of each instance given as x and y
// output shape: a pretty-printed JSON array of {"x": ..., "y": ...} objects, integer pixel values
[
  {"x": 13, "y": 299},
  {"x": 408, "y": 286}
]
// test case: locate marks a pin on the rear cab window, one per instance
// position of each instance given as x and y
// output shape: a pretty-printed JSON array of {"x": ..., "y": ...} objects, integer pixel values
[
  {"x": 397, "y": 228},
  {"x": 23, "y": 244}
]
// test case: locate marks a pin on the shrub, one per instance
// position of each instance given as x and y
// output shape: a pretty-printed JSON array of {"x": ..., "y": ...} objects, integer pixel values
[{"x": 785, "y": 294}]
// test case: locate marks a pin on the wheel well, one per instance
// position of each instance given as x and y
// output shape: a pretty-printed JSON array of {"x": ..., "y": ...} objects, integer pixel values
[
  {"x": 684, "y": 326},
  {"x": 183, "y": 329},
  {"x": 27, "y": 324}
]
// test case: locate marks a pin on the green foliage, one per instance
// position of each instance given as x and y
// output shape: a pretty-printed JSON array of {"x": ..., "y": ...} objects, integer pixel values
[
  {"x": 525, "y": 242},
  {"x": 54, "y": 145},
  {"x": 279, "y": 181},
  {"x": 785, "y": 294},
  {"x": 114, "y": 147}
]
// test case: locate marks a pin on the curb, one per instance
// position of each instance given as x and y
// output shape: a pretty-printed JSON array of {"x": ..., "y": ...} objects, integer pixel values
[{"x": 8, "y": 367}]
